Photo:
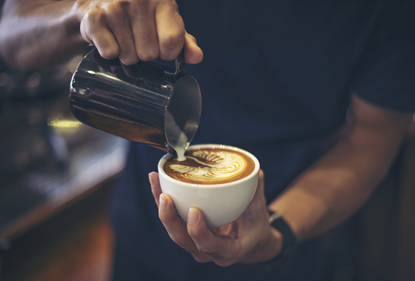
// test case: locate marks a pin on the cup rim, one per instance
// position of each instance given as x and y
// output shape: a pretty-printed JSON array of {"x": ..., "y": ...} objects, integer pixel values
[{"x": 216, "y": 185}]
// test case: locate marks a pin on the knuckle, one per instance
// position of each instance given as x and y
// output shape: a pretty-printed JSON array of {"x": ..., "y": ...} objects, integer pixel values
[
  {"x": 174, "y": 8},
  {"x": 84, "y": 29},
  {"x": 148, "y": 56},
  {"x": 206, "y": 250},
  {"x": 115, "y": 9},
  {"x": 170, "y": 43},
  {"x": 95, "y": 14},
  {"x": 170, "y": 4},
  {"x": 171, "y": 40},
  {"x": 128, "y": 55},
  {"x": 109, "y": 55},
  {"x": 195, "y": 231},
  {"x": 128, "y": 60}
]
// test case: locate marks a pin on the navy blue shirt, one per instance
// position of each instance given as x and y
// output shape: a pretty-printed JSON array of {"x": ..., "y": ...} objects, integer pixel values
[{"x": 276, "y": 80}]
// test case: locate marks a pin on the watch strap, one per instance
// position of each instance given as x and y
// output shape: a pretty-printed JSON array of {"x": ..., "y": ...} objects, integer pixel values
[
  {"x": 289, "y": 245},
  {"x": 289, "y": 242}
]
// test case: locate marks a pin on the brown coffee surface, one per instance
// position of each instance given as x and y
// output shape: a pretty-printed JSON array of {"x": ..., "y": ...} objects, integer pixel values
[{"x": 210, "y": 166}]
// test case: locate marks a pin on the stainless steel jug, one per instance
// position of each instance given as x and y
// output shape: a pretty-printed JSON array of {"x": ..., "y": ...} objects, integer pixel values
[{"x": 145, "y": 102}]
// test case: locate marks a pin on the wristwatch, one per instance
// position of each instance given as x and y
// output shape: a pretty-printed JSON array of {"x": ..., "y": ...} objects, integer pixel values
[{"x": 289, "y": 244}]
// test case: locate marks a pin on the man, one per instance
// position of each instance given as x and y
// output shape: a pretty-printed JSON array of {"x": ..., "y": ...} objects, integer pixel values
[{"x": 278, "y": 79}]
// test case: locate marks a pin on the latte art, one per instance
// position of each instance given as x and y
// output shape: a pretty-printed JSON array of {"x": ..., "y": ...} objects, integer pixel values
[
  {"x": 224, "y": 165},
  {"x": 210, "y": 166}
]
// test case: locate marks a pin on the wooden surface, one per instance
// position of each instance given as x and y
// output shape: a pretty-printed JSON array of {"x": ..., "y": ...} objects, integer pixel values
[
  {"x": 75, "y": 160},
  {"x": 44, "y": 191},
  {"x": 76, "y": 245}
]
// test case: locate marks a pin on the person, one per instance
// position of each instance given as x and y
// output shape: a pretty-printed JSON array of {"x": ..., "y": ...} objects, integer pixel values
[{"x": 280, "y": 79}]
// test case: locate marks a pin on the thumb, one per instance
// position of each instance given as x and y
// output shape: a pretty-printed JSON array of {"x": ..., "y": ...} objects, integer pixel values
[{"x": 259, "y": 193}]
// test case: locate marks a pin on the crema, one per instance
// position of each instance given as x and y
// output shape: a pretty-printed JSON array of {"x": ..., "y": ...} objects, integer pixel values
[{"x": 210, "y": 166}]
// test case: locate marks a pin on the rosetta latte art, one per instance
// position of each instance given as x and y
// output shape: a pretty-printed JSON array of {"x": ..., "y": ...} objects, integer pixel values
[{"x": 217, "y": 166}]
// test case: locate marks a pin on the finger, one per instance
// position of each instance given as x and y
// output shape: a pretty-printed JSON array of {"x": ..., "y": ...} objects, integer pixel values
[
  {"x": 119, "y": 23},
  {"x": 223, "y": 230},
  {"x": 192, "y": 52},
  {"x": 259, "y": 195},
  {"x": 154, "y": 179},
  {"x": 143, "y": 25},
  {"x": 202, "y": 258},
  {"x": 260, "y": 186},
  {"x": 170, "y": 30},
  {"x": 174, "y": 225},
  {"x": 95, "y": 30},
  {"x": 258, "y": 203},
  {"x": 205, "y": 240}
]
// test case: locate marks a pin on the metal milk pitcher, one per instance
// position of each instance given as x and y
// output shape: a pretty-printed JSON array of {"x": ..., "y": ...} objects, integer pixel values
[{"x": 145, "y": 102}]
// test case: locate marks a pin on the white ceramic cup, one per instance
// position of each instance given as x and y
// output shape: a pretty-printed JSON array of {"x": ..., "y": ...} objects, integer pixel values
[{"x": 220, "y": 203}]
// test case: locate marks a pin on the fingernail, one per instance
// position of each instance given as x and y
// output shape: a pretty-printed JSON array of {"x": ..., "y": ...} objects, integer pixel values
[
  {"x": 163, "y": 202},
  {"x": 192, "y": 217}
]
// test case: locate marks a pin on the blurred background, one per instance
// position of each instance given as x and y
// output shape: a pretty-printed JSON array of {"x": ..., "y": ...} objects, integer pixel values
[
  {"x": 56, "y": 176},
  {"x": 55, "y": 179}
]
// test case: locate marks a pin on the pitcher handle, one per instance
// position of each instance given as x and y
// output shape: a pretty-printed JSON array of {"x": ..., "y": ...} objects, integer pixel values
[{"x": 179, "y": 65}]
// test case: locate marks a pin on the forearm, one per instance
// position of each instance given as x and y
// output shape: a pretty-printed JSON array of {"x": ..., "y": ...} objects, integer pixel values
[
  {"x": 37, "y": 35},
  {"x": 330, "y": 191},
  {"x": 339, "y": 183}
]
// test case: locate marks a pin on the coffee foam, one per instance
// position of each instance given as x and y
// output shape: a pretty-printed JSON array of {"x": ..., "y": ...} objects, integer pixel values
[{"x": 211, "y": 166}]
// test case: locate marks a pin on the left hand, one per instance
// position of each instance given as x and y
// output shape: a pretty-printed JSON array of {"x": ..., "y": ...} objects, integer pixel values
[{"x": 249, "y": 239}]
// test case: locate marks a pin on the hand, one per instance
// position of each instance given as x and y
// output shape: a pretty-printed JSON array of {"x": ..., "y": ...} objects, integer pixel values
[
  {"x": 249, "y": 239},
  {"x": 136, "y": 30}
]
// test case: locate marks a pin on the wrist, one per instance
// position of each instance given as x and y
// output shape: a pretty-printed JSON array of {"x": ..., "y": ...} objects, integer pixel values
[
  {"x": 286, "y": 243},
  {"x": 269, "y": 247},
  {"x": 275, "y": 244}
]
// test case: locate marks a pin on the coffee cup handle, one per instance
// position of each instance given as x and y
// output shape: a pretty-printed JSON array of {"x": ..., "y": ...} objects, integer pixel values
[{"x": 179, "y": 65}]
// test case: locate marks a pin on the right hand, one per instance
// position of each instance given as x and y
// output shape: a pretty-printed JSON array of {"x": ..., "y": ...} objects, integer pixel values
[{"x": 134, "y": 30}]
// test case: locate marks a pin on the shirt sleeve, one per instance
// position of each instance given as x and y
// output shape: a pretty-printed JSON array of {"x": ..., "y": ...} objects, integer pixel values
[{"x": 386, "y": 74}]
